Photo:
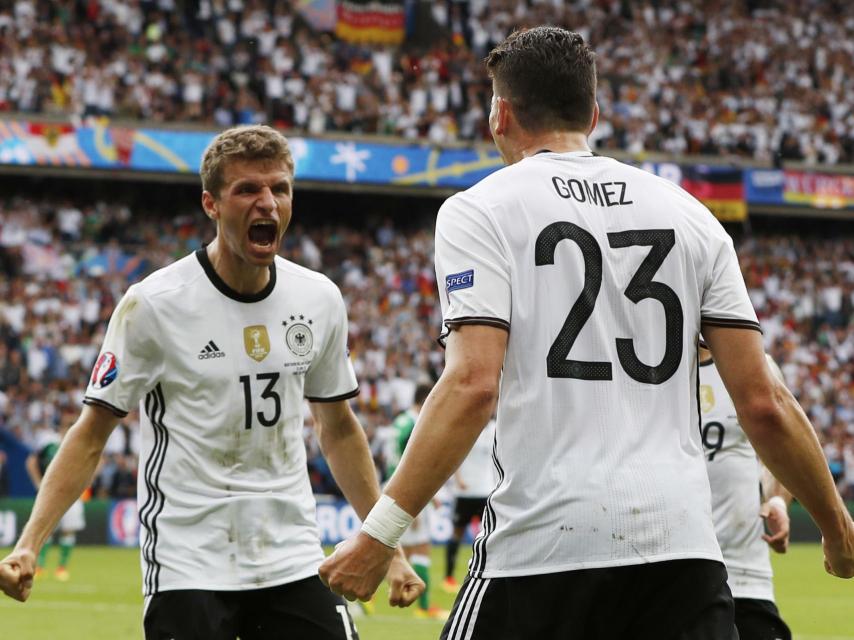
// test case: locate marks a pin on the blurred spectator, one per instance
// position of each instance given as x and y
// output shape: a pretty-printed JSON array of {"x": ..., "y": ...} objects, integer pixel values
[
  {"x": 52, "y": 320},
  {"x": 123, "y": 483}
]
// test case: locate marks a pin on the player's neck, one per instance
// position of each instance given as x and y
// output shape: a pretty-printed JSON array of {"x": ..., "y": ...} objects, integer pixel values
[
  {"x": 553, "y": 141},
  {"x": 243, "y": 278}
]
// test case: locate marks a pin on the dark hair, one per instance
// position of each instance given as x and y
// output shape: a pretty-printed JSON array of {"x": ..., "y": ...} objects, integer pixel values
[
  {"x": 421, "y": 392},
  {"x": 548, "y": 75}
]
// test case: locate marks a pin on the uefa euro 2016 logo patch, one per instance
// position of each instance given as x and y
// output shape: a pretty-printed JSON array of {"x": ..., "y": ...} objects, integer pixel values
[
  {"x": 105, "y": 371},
  {"x": 461, "y": 280}
]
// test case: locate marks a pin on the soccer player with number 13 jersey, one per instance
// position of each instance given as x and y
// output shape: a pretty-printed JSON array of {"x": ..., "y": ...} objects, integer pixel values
[{"x": 219, "y": 350}]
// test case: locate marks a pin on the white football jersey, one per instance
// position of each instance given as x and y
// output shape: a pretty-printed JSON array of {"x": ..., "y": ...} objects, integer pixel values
[
  {"x": 734, "y": 473},
  {"x": 477, "y": 471},
  {"x": 224, "y": 499},
  {"x": 601, "y": 273}
]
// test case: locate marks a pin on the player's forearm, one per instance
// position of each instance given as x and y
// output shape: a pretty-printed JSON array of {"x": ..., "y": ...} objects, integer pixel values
[
  {"x": 349, "y": 457},
  {"x": 789, "y": 448},
  {"x": 447, "y": 428},
  {"x": 66, "y": 478}
]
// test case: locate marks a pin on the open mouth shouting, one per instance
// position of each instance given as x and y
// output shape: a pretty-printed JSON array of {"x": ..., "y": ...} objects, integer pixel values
[{"x": 262, "y": 234}]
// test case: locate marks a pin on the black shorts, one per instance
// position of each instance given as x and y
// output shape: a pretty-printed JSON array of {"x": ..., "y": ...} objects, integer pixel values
[
  {"x": 673, "y": 600},
  {"x": 759, "y": 620},
  {"x": 467, "y": 508},
  {"x": 302, "y": 610}
]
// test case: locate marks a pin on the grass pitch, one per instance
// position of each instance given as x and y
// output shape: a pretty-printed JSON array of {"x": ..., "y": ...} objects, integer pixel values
[{"x": 102, "y": 601}]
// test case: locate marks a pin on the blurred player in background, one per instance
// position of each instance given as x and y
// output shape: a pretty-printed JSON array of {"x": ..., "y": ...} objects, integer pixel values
[
  {"x": 577, "y": 286},
  {"x": 416, "y": 542},
  {"x": 472, "y": 483},
  {"x": 74, "y": 520},
  {"x": 744, "y": 495},
  {"x": 220, "y": 349},
  {"x": 4, "y": 474}
]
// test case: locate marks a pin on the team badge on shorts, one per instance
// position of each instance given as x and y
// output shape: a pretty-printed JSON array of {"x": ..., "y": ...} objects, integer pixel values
[
  {"x": 257, "y": 342},
  {"x": 105, "y": 371},
  {"x": 298, "y": 335}
]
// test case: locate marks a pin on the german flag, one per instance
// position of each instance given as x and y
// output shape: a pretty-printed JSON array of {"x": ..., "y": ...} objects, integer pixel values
[
  {"x": 371, "y": 21},
  {"x": 721, "y": 189}
]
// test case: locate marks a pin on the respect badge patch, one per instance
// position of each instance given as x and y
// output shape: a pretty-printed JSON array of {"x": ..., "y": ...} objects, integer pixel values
[
  {"x": 105, "y": 370},
  {"x": 461, "y": 280}
]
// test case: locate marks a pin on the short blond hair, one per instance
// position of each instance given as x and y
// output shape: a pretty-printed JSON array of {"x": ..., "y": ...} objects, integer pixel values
[{"x": 248, "y": 142}]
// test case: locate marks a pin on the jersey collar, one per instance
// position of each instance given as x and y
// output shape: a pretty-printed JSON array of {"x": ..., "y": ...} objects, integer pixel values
[
  {"x": 224, "y": 289},
  {"x": 571, "y": 154}
]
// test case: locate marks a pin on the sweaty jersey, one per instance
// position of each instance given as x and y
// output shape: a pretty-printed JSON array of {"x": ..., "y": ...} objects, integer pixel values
[
  {"x": 601, "y": 273},
  {"x": 477, "y": 471},
  {"x": 734, "y": 474},
  {"x": 224, "y": 499}
]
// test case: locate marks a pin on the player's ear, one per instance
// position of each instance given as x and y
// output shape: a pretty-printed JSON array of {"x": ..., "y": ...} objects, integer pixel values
[
  {"x": 595, "y": 120},
  {"x": 502, "y": 115},
  {"x": 209, "y": 205}
]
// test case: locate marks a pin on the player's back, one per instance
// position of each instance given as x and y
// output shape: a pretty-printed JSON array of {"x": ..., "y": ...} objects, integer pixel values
[{"x": 601, "y": 271}]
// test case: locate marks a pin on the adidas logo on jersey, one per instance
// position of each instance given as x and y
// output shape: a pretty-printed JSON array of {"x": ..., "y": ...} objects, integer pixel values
[{"x": 211, "y": 351}]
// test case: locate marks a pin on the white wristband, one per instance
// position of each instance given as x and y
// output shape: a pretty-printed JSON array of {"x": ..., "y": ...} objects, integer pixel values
[
  {"x": 778, "y": 500},
  {"x": 386, "y": 522}
]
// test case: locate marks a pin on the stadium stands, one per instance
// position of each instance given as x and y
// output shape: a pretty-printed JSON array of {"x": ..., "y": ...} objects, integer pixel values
[
  {"x": 768, "y": 80},
  {"x": 60, "y": 278}
]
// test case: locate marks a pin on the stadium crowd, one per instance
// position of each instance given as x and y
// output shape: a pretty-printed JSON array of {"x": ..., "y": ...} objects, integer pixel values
[
  {"x": 761, "y": 79},
  {"x": 63, "y": 267}
]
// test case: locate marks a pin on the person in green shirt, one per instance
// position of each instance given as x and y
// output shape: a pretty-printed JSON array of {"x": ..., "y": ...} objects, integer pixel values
[
  {"x": 47, "y": 446},
  {"x": 416, "y": 541}
]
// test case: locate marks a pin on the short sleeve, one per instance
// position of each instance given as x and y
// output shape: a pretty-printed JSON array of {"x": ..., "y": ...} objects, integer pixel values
[
  {"x": 330, "y": 377},
  {"x": 725, "y": 300},
  {"x": 130, "y": 359},
  {"x": 472, "y": 271}
]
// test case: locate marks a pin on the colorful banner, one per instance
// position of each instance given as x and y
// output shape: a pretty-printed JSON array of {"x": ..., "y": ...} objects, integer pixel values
[
  {"x": 123, "y": 524},
  {"x": 819, "y": 190},
  {"x": 320, "y": 14},
  {"x": 764, "y": 186},
  {"x": 726, "y": 190},
  {"x": 371, "y": 21},
  {"x": 48, "y": 144},
  {"x": 721, "y": 189},
  {"x": 103, "y": 146}
]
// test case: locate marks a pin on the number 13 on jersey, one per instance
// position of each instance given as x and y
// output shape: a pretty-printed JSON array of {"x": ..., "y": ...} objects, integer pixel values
[{"x": 269, "y": 393}]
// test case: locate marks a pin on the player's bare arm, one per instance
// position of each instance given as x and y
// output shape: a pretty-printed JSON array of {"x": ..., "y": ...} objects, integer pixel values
[
  {"x": 775, "y": 507},
  {"x": 454, "y": 414},
  {"x": 66, "y": 478},
  {"x": 345, "y": 447},
  {"x": 783, "y": 437}
]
